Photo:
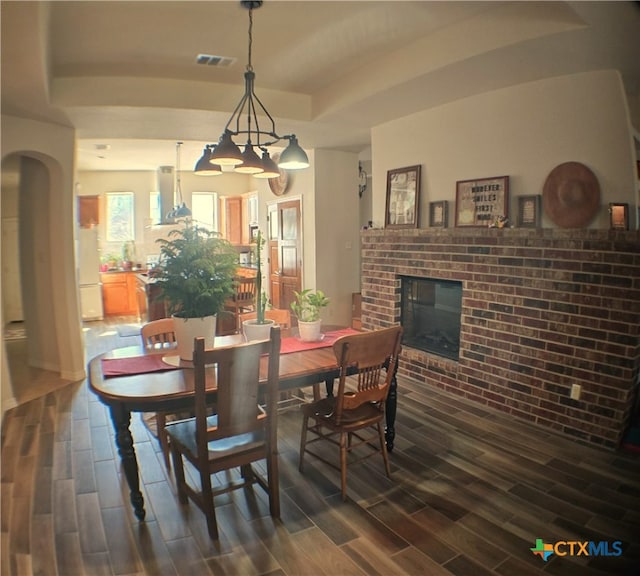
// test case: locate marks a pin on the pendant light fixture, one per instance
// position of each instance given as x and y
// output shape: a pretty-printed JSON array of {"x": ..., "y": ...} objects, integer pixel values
[
  {"x": 181, "y": 210},
  {"x": 204, "y": 167},
  {"x": 244, "y": 123}
]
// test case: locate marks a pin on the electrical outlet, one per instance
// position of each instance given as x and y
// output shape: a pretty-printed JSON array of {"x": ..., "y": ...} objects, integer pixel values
[{"x": 576, "y": 389}]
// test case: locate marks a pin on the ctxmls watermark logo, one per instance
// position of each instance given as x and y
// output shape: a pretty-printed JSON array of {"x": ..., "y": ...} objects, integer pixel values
[{"x": 577, "y": 548}]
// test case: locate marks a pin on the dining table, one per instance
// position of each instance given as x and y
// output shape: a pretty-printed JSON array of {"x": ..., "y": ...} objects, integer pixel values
[{"x": 133, "y": 379}]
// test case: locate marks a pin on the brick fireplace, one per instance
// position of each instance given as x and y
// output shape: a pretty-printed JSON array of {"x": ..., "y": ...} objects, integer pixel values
[{"x": 541, "y": 310}]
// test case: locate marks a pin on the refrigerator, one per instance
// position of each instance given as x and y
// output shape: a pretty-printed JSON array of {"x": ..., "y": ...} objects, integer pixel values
[{"x": 89, "y": 274}]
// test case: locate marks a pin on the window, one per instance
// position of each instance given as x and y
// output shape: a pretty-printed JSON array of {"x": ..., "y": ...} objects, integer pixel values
[
  {"x": 205, "y": 209},
  {"x": 120, "y": 216}
]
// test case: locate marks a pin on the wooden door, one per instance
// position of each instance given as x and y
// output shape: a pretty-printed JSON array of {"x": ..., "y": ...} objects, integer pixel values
[{"x": 285, "y": 252}]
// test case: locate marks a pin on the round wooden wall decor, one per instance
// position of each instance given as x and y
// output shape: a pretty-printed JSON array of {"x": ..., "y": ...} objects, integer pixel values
[
  {"x": 280, "y": 186},
  {"x": 571, "y": 195}
]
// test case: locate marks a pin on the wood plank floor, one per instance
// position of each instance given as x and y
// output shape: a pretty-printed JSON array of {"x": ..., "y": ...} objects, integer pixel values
[{"x": 471, "y": 492}]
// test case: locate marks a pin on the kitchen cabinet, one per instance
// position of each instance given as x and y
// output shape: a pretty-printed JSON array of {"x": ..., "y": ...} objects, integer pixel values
[
  {"x": 233, "y": 219},
  {"x": 238, "y": 215},
  {"x": 88, "y": 211},
  {"x": 249, "y": 215},
  {"x": 119, "y": 293}
]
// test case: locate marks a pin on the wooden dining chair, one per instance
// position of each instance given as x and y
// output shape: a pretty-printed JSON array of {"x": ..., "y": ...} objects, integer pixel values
[
  {"x": 243, "y": 300},
  {"x": 158, "y": 336},
  {"x": 281, "y": 317},
  {"x": 242, "y": 431},
  {"x": 348, "y": 418}
]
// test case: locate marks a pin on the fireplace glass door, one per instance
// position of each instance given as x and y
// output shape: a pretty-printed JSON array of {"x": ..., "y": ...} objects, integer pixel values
[{"x": 430, "y": 315}]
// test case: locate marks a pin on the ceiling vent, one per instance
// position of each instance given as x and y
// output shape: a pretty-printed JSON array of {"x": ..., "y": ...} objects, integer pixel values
[{"x": 219, "y": 61}]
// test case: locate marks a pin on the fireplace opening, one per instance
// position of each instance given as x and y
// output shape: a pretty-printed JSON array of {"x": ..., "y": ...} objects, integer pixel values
[{"x": 430, "y": 315}]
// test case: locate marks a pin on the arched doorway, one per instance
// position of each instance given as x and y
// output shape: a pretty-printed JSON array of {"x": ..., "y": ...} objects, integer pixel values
[{"x": 37, "y": 360}]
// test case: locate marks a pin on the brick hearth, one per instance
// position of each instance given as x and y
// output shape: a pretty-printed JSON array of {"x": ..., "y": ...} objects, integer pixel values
[{"x": 541, "y": 310}]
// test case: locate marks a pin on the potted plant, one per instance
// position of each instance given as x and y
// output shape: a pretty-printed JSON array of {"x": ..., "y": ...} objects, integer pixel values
[
  {"x": 260, "y": 327},
  {"x": 306, "y": 308},
  {"x": 195, "y": 274}
]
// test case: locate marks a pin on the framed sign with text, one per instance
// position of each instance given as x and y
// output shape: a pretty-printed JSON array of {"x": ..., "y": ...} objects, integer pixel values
[{"x": 479, "y": 202}]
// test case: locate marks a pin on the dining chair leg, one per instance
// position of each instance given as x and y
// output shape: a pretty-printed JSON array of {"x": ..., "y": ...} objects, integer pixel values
[
  {"x": 208, "y": 506},
  {"x": 178, "y": 468},
  {"x": 303, "y": 442},
  {"x": 163, "y": 438},
  {"x": 343, "y": 464},
  {"x": 274, "y": 485},
  {"x": 383, "y": 449}
]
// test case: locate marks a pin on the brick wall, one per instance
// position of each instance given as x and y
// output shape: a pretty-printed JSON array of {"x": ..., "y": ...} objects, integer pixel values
[{"x": 541, "y": 310}]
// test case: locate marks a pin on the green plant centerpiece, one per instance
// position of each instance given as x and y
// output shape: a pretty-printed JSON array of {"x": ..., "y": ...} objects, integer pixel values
[
  {"x": 195, "y": 274},
  {"x": 306, "y": 308},
  {"x": 260, "y": 328},
  {"x": 261, "y": 296}
]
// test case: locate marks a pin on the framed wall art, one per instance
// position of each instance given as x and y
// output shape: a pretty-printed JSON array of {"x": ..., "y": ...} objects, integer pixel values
[
  {"x": 403, "y": 197},
  {"x": 438, "y": 214},
  {"x": 529, "y": 211},
  {"x": 618, "y": 216},
  {"x": 480, "y": 202}
]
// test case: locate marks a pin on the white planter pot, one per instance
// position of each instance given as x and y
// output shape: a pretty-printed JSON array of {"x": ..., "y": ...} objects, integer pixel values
[
  {"x": 309, "y": 331},
  {"x": 189, "y": 328},
  {"x": 253, "y": 331}
]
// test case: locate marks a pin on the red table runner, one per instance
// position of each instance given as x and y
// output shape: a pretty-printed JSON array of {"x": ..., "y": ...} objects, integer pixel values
[
  {"x": 294, "y": 344},
  {"x": 112, "y": 367},
  {"x": 137, "y": 365}
]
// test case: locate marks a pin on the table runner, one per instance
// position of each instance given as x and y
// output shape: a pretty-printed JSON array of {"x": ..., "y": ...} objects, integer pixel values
[
  {"x": 136, "y": 365},
  {"x": 294, "y": 344},
  {"x": 112, "y": 367}
]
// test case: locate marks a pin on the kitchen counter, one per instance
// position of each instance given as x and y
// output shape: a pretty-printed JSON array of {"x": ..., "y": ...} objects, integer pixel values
[
  {"x": 121, "y": 270},
  {"x": 145, "y": 278}
]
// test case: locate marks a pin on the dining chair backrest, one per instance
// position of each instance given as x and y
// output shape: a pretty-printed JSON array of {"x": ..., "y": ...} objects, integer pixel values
[
  {"x": 245, "y": 291},
  {"x": 281, "y": 317},
  {"x": 238, "y": 401},
  {"x": 373, "y": 355},
  {"x": 158, "y": 334},
  {"x": 243, "y": 430}
]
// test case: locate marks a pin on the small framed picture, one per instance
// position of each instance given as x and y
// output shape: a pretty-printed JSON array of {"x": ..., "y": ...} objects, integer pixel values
[
  {"x": 482, "y": 201},
  {"x": 403, "y": 197},
  {"x": 529, "y": 211},
  {"x": 438, "y": 214},
  {"x": 618, "y": 216}
]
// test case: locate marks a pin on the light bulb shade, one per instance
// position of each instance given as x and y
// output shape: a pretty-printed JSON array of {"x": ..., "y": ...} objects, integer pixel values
[
  {"x": 293, "y": 157},
  {"x": 270, "y": 168},
  {"x": 182, "y": 212},
  {"x": 204, "y": 167},
  {"x": 251, "y": 163},
  {"x": 226, "y": 152}
]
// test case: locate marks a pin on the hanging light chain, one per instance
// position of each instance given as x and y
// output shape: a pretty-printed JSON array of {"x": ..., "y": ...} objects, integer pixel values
[{"x": 249, "y": 66}]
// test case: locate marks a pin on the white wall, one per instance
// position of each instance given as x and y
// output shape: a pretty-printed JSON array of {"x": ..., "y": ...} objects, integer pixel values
[
  {"x": 337, "y": 220},
  {"x": 522, "y": 131}
]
